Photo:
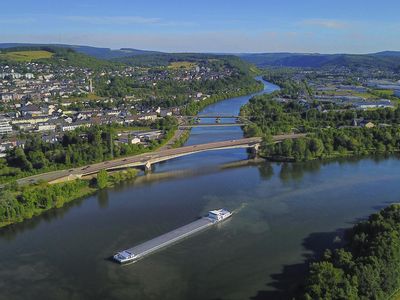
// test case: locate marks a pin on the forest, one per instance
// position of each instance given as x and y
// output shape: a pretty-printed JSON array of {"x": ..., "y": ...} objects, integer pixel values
[{"x": 367, "y": 267}]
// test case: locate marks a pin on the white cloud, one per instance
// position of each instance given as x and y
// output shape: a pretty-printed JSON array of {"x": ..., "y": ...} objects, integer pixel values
[
  {"x": 113, "y": 20},
  {"x": 326, "y": 23},
  {"x": 126, "y": 20}
]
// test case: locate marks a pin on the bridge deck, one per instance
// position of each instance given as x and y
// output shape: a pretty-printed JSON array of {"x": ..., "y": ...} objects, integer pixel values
[
  {"x": 147, "y": 158},
  {"x": 212, "y": 125}
]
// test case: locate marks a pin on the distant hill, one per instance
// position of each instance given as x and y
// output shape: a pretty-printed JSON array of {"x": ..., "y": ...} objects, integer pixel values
[
  {"x": 388, "y": 59},
  {"x": 164, "y": 59},
  {"x": 388, "y": 53},
  {"x": 55, "y": 55},
  {"x": 100, "y": 53}
]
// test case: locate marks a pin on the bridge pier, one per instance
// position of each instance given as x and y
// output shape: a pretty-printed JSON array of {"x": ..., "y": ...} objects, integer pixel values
[
  {"x": 147, "y": 167},
  {"x": 254, "y": 151}
]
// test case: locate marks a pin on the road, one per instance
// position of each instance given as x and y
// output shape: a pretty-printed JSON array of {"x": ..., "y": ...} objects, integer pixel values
[{"x": 146, "y": 159}]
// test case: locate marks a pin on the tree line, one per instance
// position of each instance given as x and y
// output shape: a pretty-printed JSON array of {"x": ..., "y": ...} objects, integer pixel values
[
  {"x": 23, "y": 202},
  {"x": 331, "y": 132},
  {"x": 367, "y": 267}
]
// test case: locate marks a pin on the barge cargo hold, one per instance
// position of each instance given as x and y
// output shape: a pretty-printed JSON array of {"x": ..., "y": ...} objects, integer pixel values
[{"x": 139, "y": 251}]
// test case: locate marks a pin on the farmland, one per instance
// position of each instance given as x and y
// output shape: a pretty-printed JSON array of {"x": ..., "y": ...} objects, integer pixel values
[{"x": 26, "y": 56}]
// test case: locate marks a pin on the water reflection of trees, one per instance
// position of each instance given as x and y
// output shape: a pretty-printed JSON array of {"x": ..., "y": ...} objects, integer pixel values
[
  {"x": 289, "y": 284},
  {"x": 11, "y": 231},
  {"x": 102, "y": 198},
  {"x": 296, "y": 171},
  {"x": 266, "y": 170}
]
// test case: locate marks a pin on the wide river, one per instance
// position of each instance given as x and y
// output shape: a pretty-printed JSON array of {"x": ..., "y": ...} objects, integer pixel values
[{"x": 285, "y": 213}]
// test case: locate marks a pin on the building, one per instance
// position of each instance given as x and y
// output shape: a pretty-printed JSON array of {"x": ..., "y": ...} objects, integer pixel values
[
  {"x": 146, "y": 136},
  {"x": 367, "y": 124},
  {"x": 5, "y": 97},
  {"x": 5, "y": 126},
  {"x": 383, "y": 103},
  {"x": 148, "y": 117},
  {"x": 46, "y": 127},
  {"x": 75, "y": 125},
  {"x": 165, "y": 112},
  {"x": 130, "y": 140},
  {"x": 30, "y": 111}
]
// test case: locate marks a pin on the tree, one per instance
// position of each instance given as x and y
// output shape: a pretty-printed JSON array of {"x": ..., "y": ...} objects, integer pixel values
[
  {"x": 102, "y": 179},
  {"x": 328, "y": 283},
  {"x": 21, "y": 161}
]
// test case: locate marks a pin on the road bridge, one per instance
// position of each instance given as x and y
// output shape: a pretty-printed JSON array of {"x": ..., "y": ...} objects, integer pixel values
[
  {"x": 211, "y": 125},
  {"x": 146, "y": 160}
]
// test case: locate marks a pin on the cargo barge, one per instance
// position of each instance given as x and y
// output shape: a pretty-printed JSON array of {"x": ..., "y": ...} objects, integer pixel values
[{"x": 146, "y": 248}]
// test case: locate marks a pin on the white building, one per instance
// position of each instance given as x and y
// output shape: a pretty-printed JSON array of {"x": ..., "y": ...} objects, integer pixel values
[
  {"x": 46, "y": 127},
  {"x": 73, "y": 126},
  {"x": 129, "y": 140},
  {"x": 5, "y": 126}
]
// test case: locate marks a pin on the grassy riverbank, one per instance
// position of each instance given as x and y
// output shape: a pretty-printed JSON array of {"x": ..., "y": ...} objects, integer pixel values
[
  {"x": 20, "y": 203},
  {"x": 182, "y": 139}
]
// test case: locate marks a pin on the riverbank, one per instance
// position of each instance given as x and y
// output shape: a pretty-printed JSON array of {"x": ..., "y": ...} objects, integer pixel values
[
  {"x": 195, "y": 107},
  {"x": 21, "y": 203}
]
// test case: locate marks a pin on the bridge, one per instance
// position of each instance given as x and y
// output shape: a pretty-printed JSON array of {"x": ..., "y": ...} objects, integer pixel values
[
  {"x": 195, "y": 121},
  {"x": 146, "y": 160},
  {"x": 211, "y": 125}
]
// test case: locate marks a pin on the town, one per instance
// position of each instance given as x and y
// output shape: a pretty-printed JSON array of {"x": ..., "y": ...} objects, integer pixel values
[{"x": 49, "y": 99}]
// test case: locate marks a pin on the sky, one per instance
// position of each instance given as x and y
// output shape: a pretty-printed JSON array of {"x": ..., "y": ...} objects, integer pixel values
[{"x": 229, "y": 26}]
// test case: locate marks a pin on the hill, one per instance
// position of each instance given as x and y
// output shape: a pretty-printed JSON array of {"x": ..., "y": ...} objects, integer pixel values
[
  {"x": 388, "y": 53},
  {"x": 52, "y": 55},
  {"x": 386, "y": 60},
  {"x": 97, "y": 52}
]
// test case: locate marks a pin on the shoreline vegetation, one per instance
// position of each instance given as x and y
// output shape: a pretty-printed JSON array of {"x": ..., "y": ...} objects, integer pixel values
[
  {"x": 195, "y": 107},
  {"x": 21, "y": 203},
  {"x": 182, "y": 139},
  {"x": 366, "y": 267}
]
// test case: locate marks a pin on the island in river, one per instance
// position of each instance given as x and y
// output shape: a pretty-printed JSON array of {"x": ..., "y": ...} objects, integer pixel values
[{"x": 285, "y": 213}]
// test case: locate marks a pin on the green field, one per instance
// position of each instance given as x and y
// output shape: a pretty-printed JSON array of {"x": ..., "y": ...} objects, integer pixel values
[
  {"x": 181, "y": 65},
  {"x": 26, "y": 56}
]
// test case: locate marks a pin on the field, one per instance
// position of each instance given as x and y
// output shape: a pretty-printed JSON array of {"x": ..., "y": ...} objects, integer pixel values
[
  {"x": 366, "y": 95},
  {"x": 26, "y": 56},
  {"x": 181, "y": 65}
]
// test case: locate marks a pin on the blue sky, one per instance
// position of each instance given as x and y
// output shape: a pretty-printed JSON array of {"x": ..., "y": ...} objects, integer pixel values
[{"x": 334, "y": 26}]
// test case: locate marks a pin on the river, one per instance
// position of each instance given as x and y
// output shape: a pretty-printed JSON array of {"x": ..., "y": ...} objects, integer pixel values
[{"x": 285, "y": 213}]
